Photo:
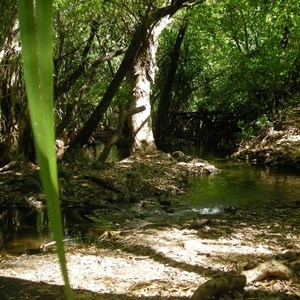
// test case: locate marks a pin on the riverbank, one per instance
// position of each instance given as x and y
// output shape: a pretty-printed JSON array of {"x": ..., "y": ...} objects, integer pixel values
[
  {"x": 150, "y": 179},
  {"x": 168, "y": 261},
  {"x": 276, "y": 145},
  {"x": 152, "y": 256}
]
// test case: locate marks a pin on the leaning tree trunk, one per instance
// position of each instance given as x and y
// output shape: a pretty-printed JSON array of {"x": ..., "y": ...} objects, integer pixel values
[
  {"x": 133, "y": 54},
  {"x": 91, "y": 124},
  {"x": 142, "y": 76},
  {"x": 162, "y": 118}
]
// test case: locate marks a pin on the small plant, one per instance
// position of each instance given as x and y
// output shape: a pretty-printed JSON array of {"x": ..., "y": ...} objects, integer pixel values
[
  {"x": 247, "y": 130},
  {"x": 263, "y": 122}
]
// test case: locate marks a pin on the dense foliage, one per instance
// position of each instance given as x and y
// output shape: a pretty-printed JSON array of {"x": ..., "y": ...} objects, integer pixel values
[{"x": 238, "y": 67}]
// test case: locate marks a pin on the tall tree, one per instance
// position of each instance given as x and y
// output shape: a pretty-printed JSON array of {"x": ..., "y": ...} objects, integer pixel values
[
  {"x": 15, "y": 126},
  {"x": 142, "y": 76},
  {"x": 82, "y": 66},
  {"x": 162, "y": 117},
  {"x": 136, "y": 50}
]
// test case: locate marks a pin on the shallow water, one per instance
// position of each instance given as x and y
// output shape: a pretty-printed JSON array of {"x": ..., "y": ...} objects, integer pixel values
[{"x": 239, "y": 185}]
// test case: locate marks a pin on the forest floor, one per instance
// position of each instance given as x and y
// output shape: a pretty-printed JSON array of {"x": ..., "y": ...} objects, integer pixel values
[{"x": 155, "y": 256}]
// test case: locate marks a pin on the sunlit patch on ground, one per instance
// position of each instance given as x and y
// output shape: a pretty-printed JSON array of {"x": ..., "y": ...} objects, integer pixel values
[
  {"x": 164, "y": 262},
  {"x": 156, "y": 253}
]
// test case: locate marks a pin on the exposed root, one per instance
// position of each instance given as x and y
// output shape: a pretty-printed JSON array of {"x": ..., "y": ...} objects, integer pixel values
[
  {"x": 268, "y": 269},
  {"x": 219, "y": 285},
  {"x": 227, "y": 283}
]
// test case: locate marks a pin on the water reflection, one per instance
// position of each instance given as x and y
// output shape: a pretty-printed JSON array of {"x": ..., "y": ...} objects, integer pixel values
[
  {"x": 241, "y": 185},
  {"x": 23, "y": 229}
]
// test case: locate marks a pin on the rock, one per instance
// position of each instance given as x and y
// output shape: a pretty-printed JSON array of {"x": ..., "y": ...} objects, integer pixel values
[
  {"x": 230, "y": 210},
  {"x": 31, "y": 185},
  {"x": 199, "y": 224},
  {"x": 178, "y": 154},
  {"x": 181, "y": 157},
  {"x": 297, "y": 203}
]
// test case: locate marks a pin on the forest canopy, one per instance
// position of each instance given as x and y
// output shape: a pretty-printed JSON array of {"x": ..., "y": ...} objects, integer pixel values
[{"x": 203, "y": 66}]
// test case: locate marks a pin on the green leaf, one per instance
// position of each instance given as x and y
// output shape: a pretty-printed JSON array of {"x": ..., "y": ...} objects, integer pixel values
[{"x": 35, "y": 18}]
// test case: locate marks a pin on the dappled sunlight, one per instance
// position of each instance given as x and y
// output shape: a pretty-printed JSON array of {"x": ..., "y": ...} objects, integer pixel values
[
  {"x": 186, "y": 246},
  {"x": 151, "y": 262},
  {"x": 104, "y": 271},
  {"x": 161, "y": 247}
]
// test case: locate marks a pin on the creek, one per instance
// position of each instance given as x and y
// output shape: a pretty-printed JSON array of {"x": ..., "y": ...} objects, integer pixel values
[{"x": 239, "y": 185}]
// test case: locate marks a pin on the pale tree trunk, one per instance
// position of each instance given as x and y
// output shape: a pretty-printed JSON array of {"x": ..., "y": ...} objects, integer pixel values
[
  {"x": 11, "y": 86},
  {"x": 10, "y": 72},
  {"x": 142, "y": 47},
  {"x": 142, "y": 76},
  {"x": 15, "y": 128}
]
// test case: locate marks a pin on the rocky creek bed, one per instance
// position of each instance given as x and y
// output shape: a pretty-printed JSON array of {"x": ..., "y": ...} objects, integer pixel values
[{"x": 154, "y": 257}]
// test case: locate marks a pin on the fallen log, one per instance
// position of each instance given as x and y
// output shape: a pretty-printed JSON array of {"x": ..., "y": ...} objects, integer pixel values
[{"x": 103, "y": 182}]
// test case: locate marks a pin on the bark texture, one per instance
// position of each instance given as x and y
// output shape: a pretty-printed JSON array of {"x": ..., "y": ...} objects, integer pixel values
[
  {"x": 14, "y": 116},
  {"x": 143, "y": 73},
  {"x": 143, "y": 32},
  {"x": 166, "y": 92}
]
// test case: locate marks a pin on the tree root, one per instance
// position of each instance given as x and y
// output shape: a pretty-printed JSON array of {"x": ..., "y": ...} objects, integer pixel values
[
  {"x": 218, "y": 286},
  {"x": 227, "y": 283},
  {"x": 268, "y": 269}
]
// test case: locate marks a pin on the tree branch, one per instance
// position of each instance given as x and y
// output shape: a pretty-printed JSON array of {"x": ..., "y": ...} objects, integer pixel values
[{"x": 158, "y": 13}]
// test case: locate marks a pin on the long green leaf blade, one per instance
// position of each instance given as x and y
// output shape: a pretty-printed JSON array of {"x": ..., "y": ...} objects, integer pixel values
[{"x": 36, "y": 37}]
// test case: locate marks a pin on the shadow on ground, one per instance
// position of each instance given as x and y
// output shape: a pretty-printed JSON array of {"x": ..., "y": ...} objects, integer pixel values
[
  {"x": 16, "y": 289},
  {"x": 20, "y": 289}
]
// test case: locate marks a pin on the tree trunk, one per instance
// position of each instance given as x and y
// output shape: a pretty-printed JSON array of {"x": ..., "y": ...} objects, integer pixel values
[
  {"x": 140, "y": 35},
  {"x": 118, "y": 132},
  {"x": 87, "y": 130},
  {"x": 9, "y": 74},
  {"x": 142, "y": 76},
  {"x": 12, "y": 96},
  {"x": 166, "y": 93},
  {"x": 71, "y": 107},
  {"x": 26, "y": 142}
]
